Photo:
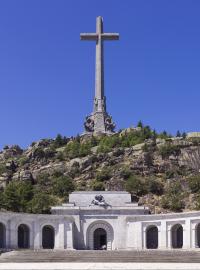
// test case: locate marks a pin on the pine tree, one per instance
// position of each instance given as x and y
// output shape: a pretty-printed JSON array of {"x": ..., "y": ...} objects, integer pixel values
[{"x": 140, "y": 124}]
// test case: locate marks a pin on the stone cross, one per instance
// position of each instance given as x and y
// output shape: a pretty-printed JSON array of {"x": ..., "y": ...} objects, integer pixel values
[{"x": 99, "y": 121}]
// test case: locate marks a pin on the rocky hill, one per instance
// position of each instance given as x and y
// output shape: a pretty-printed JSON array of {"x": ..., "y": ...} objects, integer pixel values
[{"x": 159, "y": 170}]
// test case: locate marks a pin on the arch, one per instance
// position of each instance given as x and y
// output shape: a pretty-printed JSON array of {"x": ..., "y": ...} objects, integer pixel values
[
  {"x": 197, "y": 235},
  {"x": 105, "y": 228},
  {"x": 152, "y": 237},
  {"x": 48, "y": 237},
  {"x": 177, "y": 236},
  {"x": 23, "y": 236},
  {"x": 2, "y": 235}
]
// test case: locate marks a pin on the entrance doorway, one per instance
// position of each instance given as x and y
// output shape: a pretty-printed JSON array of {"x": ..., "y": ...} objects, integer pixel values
[
  {"x": 152, "y": 237},
  {"x": 177, "y": 236},
  {"x": 2, "y": 235},
  {"x": 48, "y": 235},
  {"x": 23, "y": 236},
  {"x": 198, "y": 235},
  {"x": 100, "y": 239}
]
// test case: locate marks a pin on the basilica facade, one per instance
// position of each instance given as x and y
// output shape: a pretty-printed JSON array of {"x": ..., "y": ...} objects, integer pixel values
[{"x": 100, "y": 220}]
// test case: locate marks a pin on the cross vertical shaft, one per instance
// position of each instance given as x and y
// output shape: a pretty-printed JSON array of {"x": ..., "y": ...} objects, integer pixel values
[
  {"x": 99, "y": 121},
  {"x": 99, "y": 81}
]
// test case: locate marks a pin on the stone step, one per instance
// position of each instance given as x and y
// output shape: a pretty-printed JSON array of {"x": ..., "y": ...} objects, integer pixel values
[{"x": 180, "y": 256}]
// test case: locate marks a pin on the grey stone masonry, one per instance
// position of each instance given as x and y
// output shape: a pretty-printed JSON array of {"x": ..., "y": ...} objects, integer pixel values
[{"x": 99, "y": 121}]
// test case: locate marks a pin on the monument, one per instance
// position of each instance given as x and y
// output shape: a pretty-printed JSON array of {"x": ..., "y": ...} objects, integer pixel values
[
  {"x": 99, "y": 121},
  {"x": 100, "y": 220}
]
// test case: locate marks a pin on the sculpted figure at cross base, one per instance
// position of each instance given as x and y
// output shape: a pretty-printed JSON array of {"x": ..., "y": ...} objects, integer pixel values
[
  {"x": 99, "y": 121},
  {"x": 89, "y": 124},
  {"x": 99, "y": 200},
  {"x": 90, "y": 127},
  {"x": 109, "y": 124}
]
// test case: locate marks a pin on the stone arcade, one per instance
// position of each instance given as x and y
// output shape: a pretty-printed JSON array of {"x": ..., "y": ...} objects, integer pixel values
[{"x": 100, "y": 220}]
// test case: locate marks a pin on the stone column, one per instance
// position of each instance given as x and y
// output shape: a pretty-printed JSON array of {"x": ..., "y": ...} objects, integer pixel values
[
  {"x": 169, "y": 237},
  {"x": 13, "y": 235},
  {"x": 144, "y": 245},
  {"x": 57, "y": 236},
  {"x": 138, "y": 233},
  {"x": 130, "y": 235},
  {"x": 61, "y": 235},
  {"x": 162, "y": 235},
  {"x": 31, "y": 235},
  {"x": 193, "y": 236},
  {"x": 69, "y": 235},
  {"x": 8, "y": 236},
  {"x": 187, "y": 234},
  {"x": 37, "y": 235}
]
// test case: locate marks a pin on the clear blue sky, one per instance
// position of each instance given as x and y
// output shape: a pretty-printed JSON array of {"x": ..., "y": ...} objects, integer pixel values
[{"x": 47, "y": 73}]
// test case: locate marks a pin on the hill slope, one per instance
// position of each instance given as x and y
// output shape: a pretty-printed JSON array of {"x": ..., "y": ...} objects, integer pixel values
[{"x": 159, "y": 170}]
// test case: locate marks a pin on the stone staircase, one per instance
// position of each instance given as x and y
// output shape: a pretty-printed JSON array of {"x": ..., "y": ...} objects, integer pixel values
[{"x": 148, "y": 256}]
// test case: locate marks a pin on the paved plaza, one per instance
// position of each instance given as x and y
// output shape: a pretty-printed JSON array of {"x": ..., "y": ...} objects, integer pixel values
[{"x": 150, "y": 256}]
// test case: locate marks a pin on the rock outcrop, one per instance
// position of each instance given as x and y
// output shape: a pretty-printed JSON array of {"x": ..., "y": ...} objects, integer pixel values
[{"x": 165, "y": 160}]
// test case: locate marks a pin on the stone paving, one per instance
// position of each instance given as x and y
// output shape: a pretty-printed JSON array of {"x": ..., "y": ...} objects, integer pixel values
[{"x": 148, "y": 256}]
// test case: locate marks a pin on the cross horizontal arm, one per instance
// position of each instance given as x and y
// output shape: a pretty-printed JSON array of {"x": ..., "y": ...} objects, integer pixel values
[
  {"x": 88, "y": 36},
  {"x": 110, "y": 36}
]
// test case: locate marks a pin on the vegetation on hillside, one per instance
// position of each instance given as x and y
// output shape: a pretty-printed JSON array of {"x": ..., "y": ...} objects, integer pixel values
[
  {"x": 20, "y": 196},
  {"x": 139, "y": 160}
]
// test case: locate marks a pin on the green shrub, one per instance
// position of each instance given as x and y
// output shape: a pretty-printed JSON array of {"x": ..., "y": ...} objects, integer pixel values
[
  {"x": 62, "y": 186},
  {"x": 2, "y": 168},
  {"x": 76, "y": 149},
  {"x": 49, "y": 153},
  {"x": 169, "y": 149},
  {"x": 150, "y": 147},
  {"x": 56, "y": 184},
  {"x": 72, "y": 149},
  {"x": 194, "y": 183},
  {"x": 44, "y": 182},
  {"x": 23, "y": 160},
  {"x": 103, "y": 175},
  {"x": 1, "y": 199},
  {"x": 173, "y": 203},
  {"x": 60, "y": 141},
  {"x": 17, "y": 195},
  {"x": 94, "y": 141},
  {"x": 97, "y": 186},
  {"x": 197, "y": 201},
  {"x": 39, "y": 153},
  {"x": 107, "y": 143},
  {"x": 195, "y": 141},
  {"x": 135, "y": 185},
  {"x": 60, "y": 156},
  {"x": 173, "y": 198},
  {"x": 41, "y": 203},
  {"x": 164, "y": 135},
  {"x": 104, "y": 149},
  {"x": 155, "y": 186},
  {"x": 85, "y": 149},
  {"x": 169, "y": 174},
  {"x": 174, "y": 172},
  {"x": 136, "y": 137},
  {"x": 125, "y": 173}
]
